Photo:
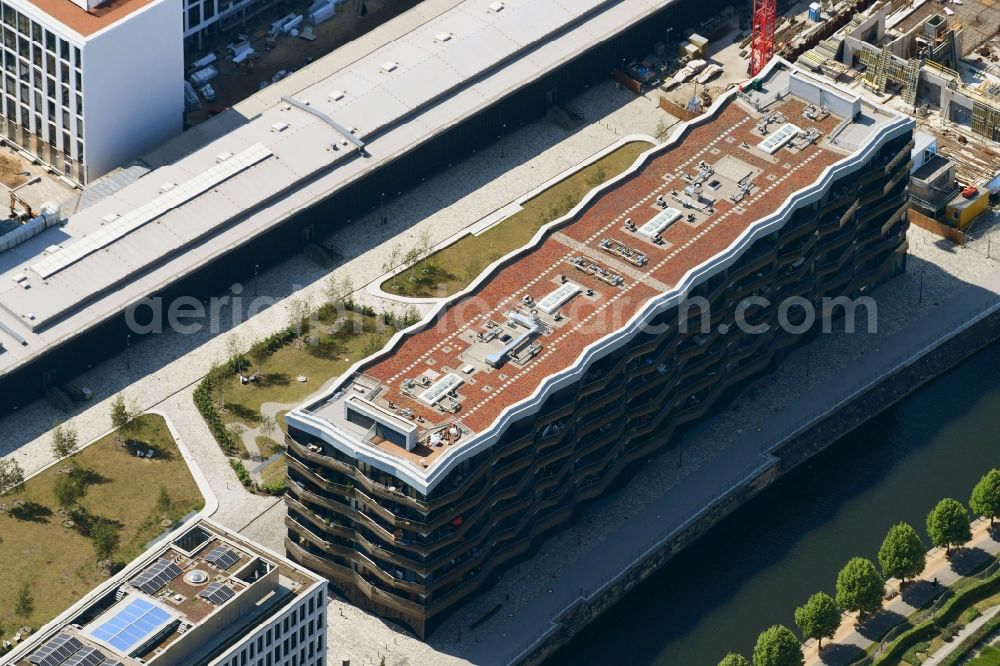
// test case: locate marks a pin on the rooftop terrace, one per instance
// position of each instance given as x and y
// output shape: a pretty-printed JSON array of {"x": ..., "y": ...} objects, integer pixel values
[
  {"x": 587, "y": 276},
  {"x": 188, "y": 600},
  {"x": 87, "y": 22}
]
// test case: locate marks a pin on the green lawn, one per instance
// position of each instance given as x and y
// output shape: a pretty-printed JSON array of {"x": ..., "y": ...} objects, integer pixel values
[
  {"x": 340, "y": 345},
  {"x": 59, "y": 562},
  {"x": 990, "y": 656},
  {"x": 274, "y": 473},
  {"x": 467, "y": 257}
]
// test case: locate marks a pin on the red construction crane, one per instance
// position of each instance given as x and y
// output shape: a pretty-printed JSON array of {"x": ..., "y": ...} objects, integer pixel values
[{"x": 762, "y": 44}]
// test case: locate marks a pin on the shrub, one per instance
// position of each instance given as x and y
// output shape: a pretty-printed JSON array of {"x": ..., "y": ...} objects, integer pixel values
[
  {"x": 243, "y": 475},
  {"x": 206, "y": 406}
]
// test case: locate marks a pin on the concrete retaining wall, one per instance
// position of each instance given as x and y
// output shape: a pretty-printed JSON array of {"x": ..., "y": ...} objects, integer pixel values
[{"x": 809, "y": 441}]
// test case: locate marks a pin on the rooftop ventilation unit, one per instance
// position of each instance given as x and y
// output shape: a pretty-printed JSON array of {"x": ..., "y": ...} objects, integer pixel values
[
  {"x": 555, "y": 300},
  {"x": 336, "y": 95},
  {"x": 388, "y": 66},
  {"x": 279, "y": 127},
  {"x": 442, "y": 37},
  {"x": 773, "y": 143},
  {"x": 496, "y": 7},
  {"x": 659, "y": 223}
]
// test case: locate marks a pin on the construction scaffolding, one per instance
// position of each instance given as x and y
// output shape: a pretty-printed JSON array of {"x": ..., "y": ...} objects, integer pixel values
[
  {"x": 986, "y": 116},
  {"x": 883, "y": 68}
]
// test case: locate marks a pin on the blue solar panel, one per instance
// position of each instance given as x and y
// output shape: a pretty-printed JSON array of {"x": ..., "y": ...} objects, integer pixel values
[{"x": 132, "y": 625}]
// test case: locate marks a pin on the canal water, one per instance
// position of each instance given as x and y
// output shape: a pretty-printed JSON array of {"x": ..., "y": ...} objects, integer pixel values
[{"x": 756, "y": 566}]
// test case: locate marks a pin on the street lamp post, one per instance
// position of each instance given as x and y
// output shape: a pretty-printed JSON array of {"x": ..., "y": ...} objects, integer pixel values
[
  {"x": 381, "y": 208},
  {"x": 502, "y": 128},
  {"x": 256, "y": 270}
]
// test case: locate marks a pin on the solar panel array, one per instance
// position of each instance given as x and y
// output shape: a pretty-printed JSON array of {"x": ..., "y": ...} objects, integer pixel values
[
  {"x": 217, "y": 593},
  {"x": 142, "y": 215},
  {"x": 88, "y": 656},
  {"x": 154, "y": 577},
  {"x": 222, "y": 557},
  {"x": 55, "y": 651},
  {"x": 131, "y": 626}
]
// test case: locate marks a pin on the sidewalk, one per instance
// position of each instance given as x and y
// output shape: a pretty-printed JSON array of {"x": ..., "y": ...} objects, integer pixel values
[
  {"x": 967, "y": 631},
  {"x": 852, "y": 640}
]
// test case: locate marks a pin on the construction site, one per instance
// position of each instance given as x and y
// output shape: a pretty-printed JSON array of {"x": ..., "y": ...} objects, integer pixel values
[
  {"x": 250, "y": 54},
  {"x": 936, "y": 60}
]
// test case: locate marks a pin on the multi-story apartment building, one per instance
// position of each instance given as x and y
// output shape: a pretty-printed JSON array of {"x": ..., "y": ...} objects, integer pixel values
[
  {"x": 89, "y": 86},
  {"x": 572, "y": 360},
  {"x": 208, "y": 597}
]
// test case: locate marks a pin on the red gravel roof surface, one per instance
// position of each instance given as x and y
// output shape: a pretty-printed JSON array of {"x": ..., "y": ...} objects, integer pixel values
[{"x": 488, "y": 393}]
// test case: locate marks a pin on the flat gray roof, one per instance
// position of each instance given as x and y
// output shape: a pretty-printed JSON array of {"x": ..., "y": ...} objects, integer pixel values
[{"x": 423, "y": 77}]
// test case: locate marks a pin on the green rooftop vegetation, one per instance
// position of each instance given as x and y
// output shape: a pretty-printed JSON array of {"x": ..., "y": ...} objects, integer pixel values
[
  {"x": 63, "y": 531},
  {"x": 453, "y": 268}
]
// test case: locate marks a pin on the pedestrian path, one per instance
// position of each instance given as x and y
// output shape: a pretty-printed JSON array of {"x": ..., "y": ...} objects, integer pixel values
[
  {"x": 966, "y": 631},
  {"x": 942, "y": 570}
]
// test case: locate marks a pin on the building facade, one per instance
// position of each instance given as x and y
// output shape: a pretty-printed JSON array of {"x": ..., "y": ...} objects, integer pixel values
[
  {"x": 206, "y": 18},
  {"x": 569, "y": 362},
  {"x": 208, "y": 597},
  {"x": 88, "y": 88}
]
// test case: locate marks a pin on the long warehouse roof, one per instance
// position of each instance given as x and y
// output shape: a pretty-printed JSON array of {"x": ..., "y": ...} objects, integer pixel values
[{"x": 230, "y": 186}]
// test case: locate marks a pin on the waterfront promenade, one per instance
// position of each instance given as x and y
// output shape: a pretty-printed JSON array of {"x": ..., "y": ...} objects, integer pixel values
[
  {"x": 748, "y": 453},
  {"x": 942, "y": 571}
]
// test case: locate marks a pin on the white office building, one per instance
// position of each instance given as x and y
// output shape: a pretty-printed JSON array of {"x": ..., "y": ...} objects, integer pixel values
[
  {"x": 207, "y": 597},
  {"x": 88, "y": 87}
]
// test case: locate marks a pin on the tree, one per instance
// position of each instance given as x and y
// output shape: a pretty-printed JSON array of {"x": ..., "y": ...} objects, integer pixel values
[
  {"x": 64, "y": 440},
  {"x": 902, "y": 554},
  {"x": 986, "y": 496},
  {"x": 24, "y": 603},
  {"x": 235, "y": 432},
  {"x": 163, "y": 500},
  {"x": 777, "y": 646},
  {"x": 69, "y": 489},
  {"x": 734, "y": 659},
  {"x": 392, "y": 263},
  {"x": 233, "y": 346},
  {"x": 338, "y": 291},
  {"x": 948, "y": 524},
  {"x": 121, "y": 418},
  {"x": 298, "y": 315},
  {"x": 11, "y": 477},
  {"x": 860, "y": 587},
  {"x": 267, "y": 426},
  {"x": 818, "y": 618},
  {"x": 104, "y": 536}
]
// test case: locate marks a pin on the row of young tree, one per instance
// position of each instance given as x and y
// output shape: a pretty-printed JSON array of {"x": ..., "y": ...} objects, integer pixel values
[{"x": 860, "y": 586}]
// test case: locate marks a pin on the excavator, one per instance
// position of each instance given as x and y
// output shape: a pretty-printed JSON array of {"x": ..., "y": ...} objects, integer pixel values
[{"x": 14, "y": 201}]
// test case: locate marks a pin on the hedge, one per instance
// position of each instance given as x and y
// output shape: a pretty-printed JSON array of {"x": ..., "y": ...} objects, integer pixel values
[
  {"x": 206, "y": 406},
  {"x": 972, "y": 641},
  {"x": 950, "y": 612}
]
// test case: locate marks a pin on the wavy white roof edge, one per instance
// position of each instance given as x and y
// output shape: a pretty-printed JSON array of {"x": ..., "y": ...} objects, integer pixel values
[{"x": 424, "y": 480}]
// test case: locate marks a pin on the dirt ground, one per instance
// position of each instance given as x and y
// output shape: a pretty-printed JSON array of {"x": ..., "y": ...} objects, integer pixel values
[
  {"x": 290, "y": 53},
  {"x": 10, "y": 171}
]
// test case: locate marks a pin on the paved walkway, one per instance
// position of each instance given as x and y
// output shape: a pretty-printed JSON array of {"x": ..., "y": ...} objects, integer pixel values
[
  {"x": 941, "y": 571},
  {"x": 161, "y": 371},
  {"x": 966, "y": 631}
]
